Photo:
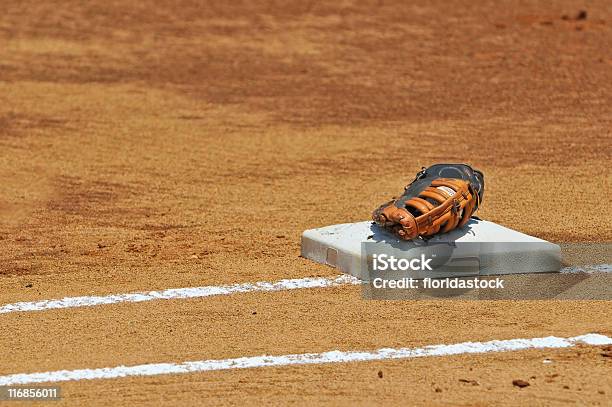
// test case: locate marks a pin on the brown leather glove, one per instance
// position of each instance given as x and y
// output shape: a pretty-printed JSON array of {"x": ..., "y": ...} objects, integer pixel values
[{"x": 432, "y": 204}]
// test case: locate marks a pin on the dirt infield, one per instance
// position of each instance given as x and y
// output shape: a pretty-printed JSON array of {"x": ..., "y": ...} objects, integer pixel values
[{"x": 176, "y": 144}]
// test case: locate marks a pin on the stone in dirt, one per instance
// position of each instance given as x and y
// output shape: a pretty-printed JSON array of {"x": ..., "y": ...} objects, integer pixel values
[{"x": 520, "y": 383}]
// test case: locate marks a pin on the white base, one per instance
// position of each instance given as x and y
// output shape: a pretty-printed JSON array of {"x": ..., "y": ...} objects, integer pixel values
[{"x": 500, "y": 250}]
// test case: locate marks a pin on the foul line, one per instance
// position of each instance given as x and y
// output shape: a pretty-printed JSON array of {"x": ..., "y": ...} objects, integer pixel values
[
  {"x": 180, "y": 293},
  {"x": 302, "y": 359},
  {"x": 209, "y": 291},
  {"x": 589, "y": 269}
]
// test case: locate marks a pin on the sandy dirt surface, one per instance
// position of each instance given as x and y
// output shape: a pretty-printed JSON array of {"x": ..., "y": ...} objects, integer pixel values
[{"x": 171, "y": 144}]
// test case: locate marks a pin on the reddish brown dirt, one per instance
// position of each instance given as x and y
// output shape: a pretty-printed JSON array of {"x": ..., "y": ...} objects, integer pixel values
[{"x": 166, "y": 144}]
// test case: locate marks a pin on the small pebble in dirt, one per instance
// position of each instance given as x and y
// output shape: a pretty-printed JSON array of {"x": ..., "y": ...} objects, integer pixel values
[
  {"x": 438, "y": 390},
  {"x": 380, "y": 374},
  {"x": 520, "y": 383},
  {"x": 254, "y": 313},
  {"x": 566, "y": 387},
  {"x": 581, "y": 15},
  {"x": 29, "y": 285}
]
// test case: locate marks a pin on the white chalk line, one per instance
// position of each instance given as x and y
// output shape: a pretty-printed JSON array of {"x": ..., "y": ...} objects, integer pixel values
[
  {"x": 590, "y": 269},
  {"x": 335, "y": 356},
  {"x": 209, "y": 291},
  {"x": 180, "y": 293}
]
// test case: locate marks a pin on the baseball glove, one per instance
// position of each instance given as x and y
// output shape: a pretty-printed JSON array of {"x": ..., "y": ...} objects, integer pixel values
[{"x": 441, "y": 198}]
